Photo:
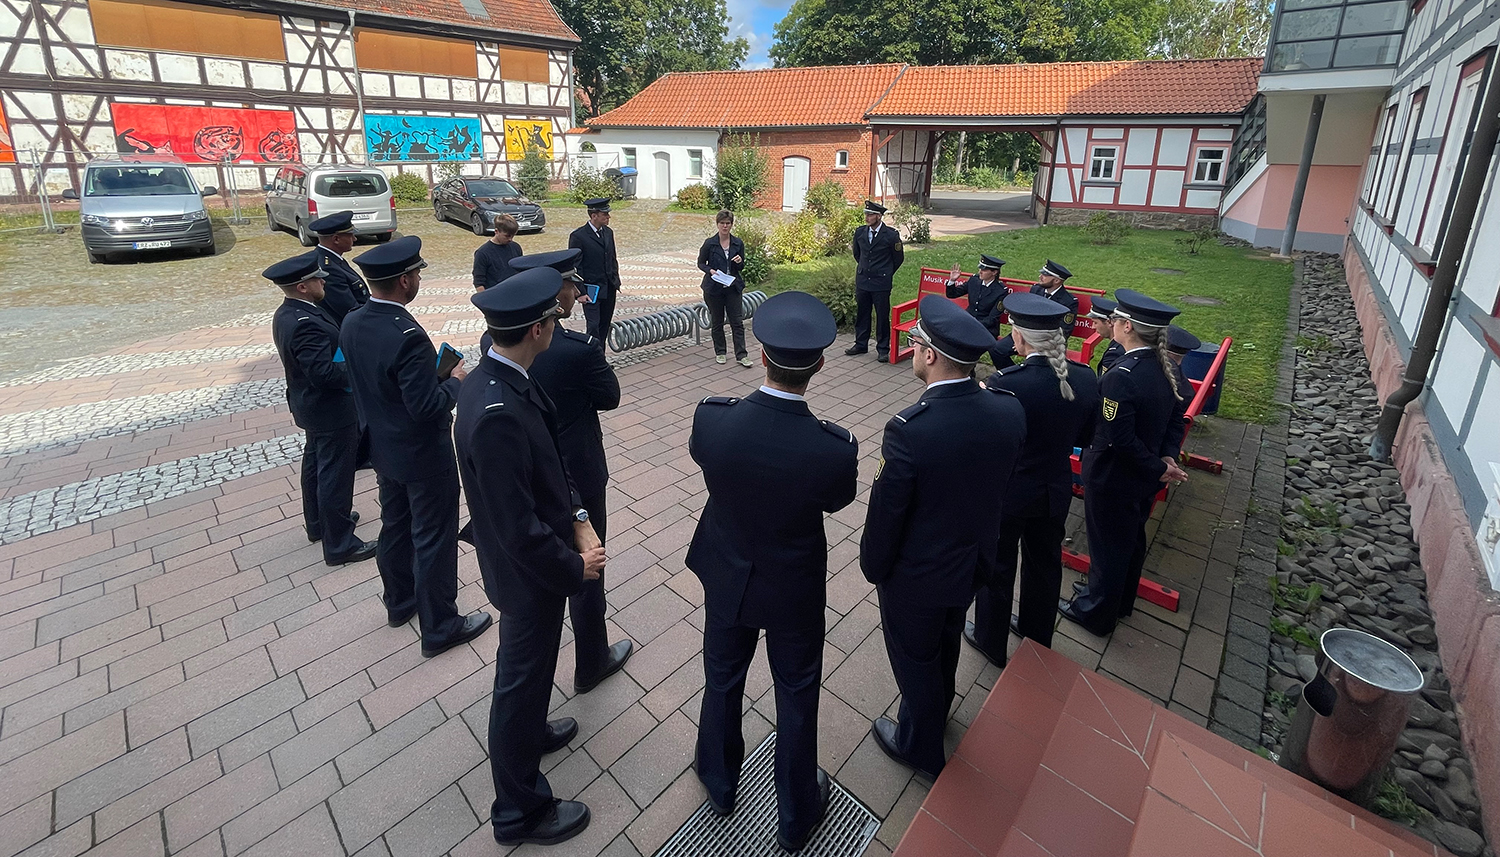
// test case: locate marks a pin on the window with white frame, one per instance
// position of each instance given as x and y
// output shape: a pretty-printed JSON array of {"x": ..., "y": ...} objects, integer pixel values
[
  {"x": 841, "y": 159},
  {"x": 1102, "y": 163},
  {"x": 629, "y": 157},
  {"x": 1208, "y": 166},
  {"x": 1455, "y": 147},
  {"x": 695, "y": 163}
]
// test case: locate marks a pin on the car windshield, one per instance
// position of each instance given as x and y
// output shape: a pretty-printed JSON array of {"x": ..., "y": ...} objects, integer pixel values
[
  {"x": 492, "y": 187},
  {"x": 138, "y": 181},
  {"x": 350, "y": 184}
]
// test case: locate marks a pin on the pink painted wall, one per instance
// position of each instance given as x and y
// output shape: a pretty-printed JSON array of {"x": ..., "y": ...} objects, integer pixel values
[{"x": 1331, "y": 193}]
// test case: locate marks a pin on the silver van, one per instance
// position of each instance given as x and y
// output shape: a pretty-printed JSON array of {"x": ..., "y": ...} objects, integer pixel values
[
  {"x": 142, "y": 202},
  {"x": 301, "y": 194}
]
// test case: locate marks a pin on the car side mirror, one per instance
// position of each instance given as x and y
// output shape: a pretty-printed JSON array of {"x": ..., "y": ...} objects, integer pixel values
[
  {"x": 70, "y": 194},
  {"x": 210, "y": 191},
  {"x": 265, "y": 187}
]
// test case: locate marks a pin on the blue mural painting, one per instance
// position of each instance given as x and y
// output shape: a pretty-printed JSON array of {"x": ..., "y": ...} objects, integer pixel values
[{"x": 422, "y": 138}]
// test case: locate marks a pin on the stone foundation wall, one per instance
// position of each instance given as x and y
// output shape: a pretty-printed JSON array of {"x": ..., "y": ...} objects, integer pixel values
[
  {"x": 1466, "y": 609},
  {"x": 1140, "y": 219}
]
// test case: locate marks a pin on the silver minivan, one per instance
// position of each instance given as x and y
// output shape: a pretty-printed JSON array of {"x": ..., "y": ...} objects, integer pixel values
[
  {"x": 142, "y": 202},
  {"x": 301, "y": 194}
]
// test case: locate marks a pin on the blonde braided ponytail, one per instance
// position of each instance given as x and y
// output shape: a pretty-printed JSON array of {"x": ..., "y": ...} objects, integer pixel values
[
  {"x": 1051, "y": 345},
  {"x": 1156, "y": 337}
]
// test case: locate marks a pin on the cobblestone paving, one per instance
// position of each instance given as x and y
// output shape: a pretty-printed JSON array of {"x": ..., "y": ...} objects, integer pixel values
[
  {"x": 116, "y": 364},
  {"x": 180, "y": 673}
]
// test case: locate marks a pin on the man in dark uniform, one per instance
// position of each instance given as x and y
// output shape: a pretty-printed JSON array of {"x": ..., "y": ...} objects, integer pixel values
[
  {"x": 599, "y": 266},
  {"x": 407, "y": 410},
  {"x": 877, "y": 255},
  {"x": 317, "y": 392},
  {"x": 1102, "y": 311},
  {"x": 1061, "y": 400},
  {"x": 932, "y": 523},
  {"x": 1050, "y": 285},
  {"x": 1127, "y": 463},
  {"x": 581, "y": 383},
  {"x": 985, "y": 292},
  {"x": 344, "y": 289},
  {"x": 772, "y": 471},
  {"x": 535, "y": 546}
]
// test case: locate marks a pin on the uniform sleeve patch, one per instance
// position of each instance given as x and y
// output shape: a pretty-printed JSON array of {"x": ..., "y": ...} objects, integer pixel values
[
  {"x": 879, "y": 468},
  {"x": 1111, "y": 407},
  {"x": 1070, "y": 318}
]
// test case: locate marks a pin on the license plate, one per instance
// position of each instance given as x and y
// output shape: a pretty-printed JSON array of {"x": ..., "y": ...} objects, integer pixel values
[
  {"x": 151, "y": 245},
  {"x": 365, "y": 215},
  {"x": 523, "y": 221}
]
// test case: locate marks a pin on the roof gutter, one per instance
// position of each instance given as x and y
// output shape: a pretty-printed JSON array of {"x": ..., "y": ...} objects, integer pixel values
[{"x": 1440, "y": 293}]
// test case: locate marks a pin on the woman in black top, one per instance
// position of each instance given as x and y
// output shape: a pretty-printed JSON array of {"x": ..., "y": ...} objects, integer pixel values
[
  {"x": 724, "y": 254},
  {"x": 492, "y": 259}
]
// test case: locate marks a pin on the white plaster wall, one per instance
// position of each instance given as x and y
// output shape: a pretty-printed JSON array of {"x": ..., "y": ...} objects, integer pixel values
[{"x": 610, "y": 144}]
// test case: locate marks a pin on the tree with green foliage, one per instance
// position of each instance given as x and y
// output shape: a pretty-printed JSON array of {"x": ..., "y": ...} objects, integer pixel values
[
  {"x": 629, "y": 43},
  {"x": 534, "y": 177},
  {"x": 741, "y": 173},
  {"x": 1215, "y": 28}
]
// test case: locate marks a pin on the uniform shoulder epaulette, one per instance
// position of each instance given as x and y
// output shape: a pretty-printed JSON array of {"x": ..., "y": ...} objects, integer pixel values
[
  {"x": 1001, "y": 390},
  {"x": 909, "y": 413},
  {"x": 578, "y": 336},
  {"x": 720, "y": 400},
  {"x": 837, "y": 431},
  {"x": 497, "y": 393},
  {"x": 1077, "y": 363},
  {"x": 1014, "y": 367}
]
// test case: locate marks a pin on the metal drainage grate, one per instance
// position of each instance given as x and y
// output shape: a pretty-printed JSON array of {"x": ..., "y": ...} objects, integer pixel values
[{"x": 751, "y": 830}]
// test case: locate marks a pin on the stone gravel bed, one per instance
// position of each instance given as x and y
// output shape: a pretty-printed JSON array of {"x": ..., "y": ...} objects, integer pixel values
[{"x": 1346, "y": 558}]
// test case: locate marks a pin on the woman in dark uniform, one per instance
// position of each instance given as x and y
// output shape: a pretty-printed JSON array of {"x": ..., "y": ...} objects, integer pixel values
[
  {"x": 724, "y": 254},
  {"x": 1130, "y": 458},
  {"x": 985, "y": 292}
]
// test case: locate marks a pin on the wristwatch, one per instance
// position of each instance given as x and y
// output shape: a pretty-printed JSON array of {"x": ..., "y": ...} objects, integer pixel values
[{"x": 581, "y": 516}]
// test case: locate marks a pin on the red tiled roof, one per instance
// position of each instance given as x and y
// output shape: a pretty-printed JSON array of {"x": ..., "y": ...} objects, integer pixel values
[
  {"x": 520, "y": 17},
  {"x": 1154, "y": 87},
  {"x": 763, "y": 98}
]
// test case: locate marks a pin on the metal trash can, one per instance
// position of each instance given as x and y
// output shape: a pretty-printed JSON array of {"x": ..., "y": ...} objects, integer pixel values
[
  {"x": 1195, "y": 365},
  {"x": 1351, "y": 714}
]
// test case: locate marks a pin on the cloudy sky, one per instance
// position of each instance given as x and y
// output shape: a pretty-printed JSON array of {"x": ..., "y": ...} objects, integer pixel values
[{"x": 756, "y": 21}]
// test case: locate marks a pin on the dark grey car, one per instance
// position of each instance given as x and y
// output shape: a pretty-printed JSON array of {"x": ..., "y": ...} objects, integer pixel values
[{"x": 476, "y": 202}]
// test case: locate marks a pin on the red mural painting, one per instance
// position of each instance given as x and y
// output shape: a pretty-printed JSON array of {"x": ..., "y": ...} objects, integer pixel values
[
  {"x": 207, "y": 134},
  {"x": 7, "y": 148}
]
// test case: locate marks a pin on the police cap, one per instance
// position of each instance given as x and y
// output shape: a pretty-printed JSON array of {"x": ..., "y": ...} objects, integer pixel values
[
  {"x": 951, "y": 331},
  {"x": 598, "y": 203},
  {"x": 1143, "y": 310},
  {"x": 873, "y": 207},
  {"x": 1101, "y": 308},
  {"x": 392, "y": 259},
  {"x": 564, "y": 262},
  {"x": 987, "y": 261},
  {"x": 1034, "y": 312},
  {"x": 794, "y": 328},
  {"x": 1179, "y": 341},
  {"x": 1052, "y": 269},
  {"x": 290, "y": 272},
  {"x": 333, "y": 224},
  {"x": 520, "y": 300}
]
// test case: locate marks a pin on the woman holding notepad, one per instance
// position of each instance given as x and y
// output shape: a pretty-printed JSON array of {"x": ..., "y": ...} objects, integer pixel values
[{"x": 721, "y": 259}]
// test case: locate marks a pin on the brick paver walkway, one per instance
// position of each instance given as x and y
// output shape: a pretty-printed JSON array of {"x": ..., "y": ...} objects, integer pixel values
[{"x": 180, "y": 673}]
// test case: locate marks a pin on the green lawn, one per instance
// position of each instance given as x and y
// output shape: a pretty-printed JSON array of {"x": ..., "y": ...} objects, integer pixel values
[{"x": 1253, "y": 290}]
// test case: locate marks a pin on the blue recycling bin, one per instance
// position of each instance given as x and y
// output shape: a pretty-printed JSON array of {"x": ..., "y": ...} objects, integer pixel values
[{"x": 1195, "y": 365}]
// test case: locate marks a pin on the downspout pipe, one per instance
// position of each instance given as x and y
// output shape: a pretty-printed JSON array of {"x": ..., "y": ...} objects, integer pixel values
[
  {"x": 1445, "y": 278},
  {"x": 1304, "y": 167}
]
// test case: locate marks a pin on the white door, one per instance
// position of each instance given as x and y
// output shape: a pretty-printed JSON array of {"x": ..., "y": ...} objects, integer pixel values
[
  {"x": 794, "y": 176},
  {"x": 663, "y": 176}
]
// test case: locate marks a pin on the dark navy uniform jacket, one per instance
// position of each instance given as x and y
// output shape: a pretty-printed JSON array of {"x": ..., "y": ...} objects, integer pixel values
[
  {"x": 1177, "y": 427},
  {"x": 932, "y": 526},
  {"x": 875, "y": 264},
  {"x": 518, "y": 490},
  {"x": 985, "y": 302},
  {"x": 581, "y": 383},
  {"x": 343, "y": 289},
  {"x": 1067, "y": 299},
  {"x": 1112, "y": 355},
  {"x": 406, "y": 409},
  {"x": 772, "y": 470},
  {"x": 599, "y": 265},
  {"x": 1054, "y": 427},
  {"x": 1134, "y": 429},
  {"x": 317, "y": 389}
]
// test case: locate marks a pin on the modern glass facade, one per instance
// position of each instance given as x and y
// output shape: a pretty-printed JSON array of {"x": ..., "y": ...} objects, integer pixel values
[{"x": 1313, "y": 35}]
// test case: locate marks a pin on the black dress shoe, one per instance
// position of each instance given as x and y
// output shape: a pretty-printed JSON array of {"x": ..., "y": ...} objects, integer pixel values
[
  {"x": 474, "y": 625},
  {"x": 855, "y": 349},
  {"x": 619, "y": 653},
  {"x": 565, "y": 820},
  {"x": 1015, "y": 625},
  {"x": 365, "y": 551},
  {"x": 559, "y": 733},
  {"x": 396, "y": 620},
  {"x": 1080, "y": 587},
  {"x": 971, "y": 636},
  {"x": 467, "y": 533},
  {"x": 825, "y": 794},
  {"x": 719, "y": 808},
  {"x": 884, "y": 729},
  {"x": 882, "y": 358},
  {"x": 1069, "y": 612},
  {"x": 353, "y": 516}
]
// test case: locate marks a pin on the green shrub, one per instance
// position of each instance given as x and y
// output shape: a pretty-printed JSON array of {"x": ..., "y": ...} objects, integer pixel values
[
  {"x": 534, "y": 177},
  {"x": 913, "y": 223},
  {"x": 586, "y": 183},
  {"x": 985, "y": 177},
  {"x": 1105, "y": 228},
  {"x": 796, "y": 240},
  {"x": 833, "y": 284},
  {"x": 1023, "y": 178},
  {"x": 408, "y": 188},
  {"x": 757, "y": 258},
  {"x": 825, "y": 198},
  {"x": 841, "y": 225},
  {"x": 740, "y": 174},
  {"x": 695, "y": 197}
]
